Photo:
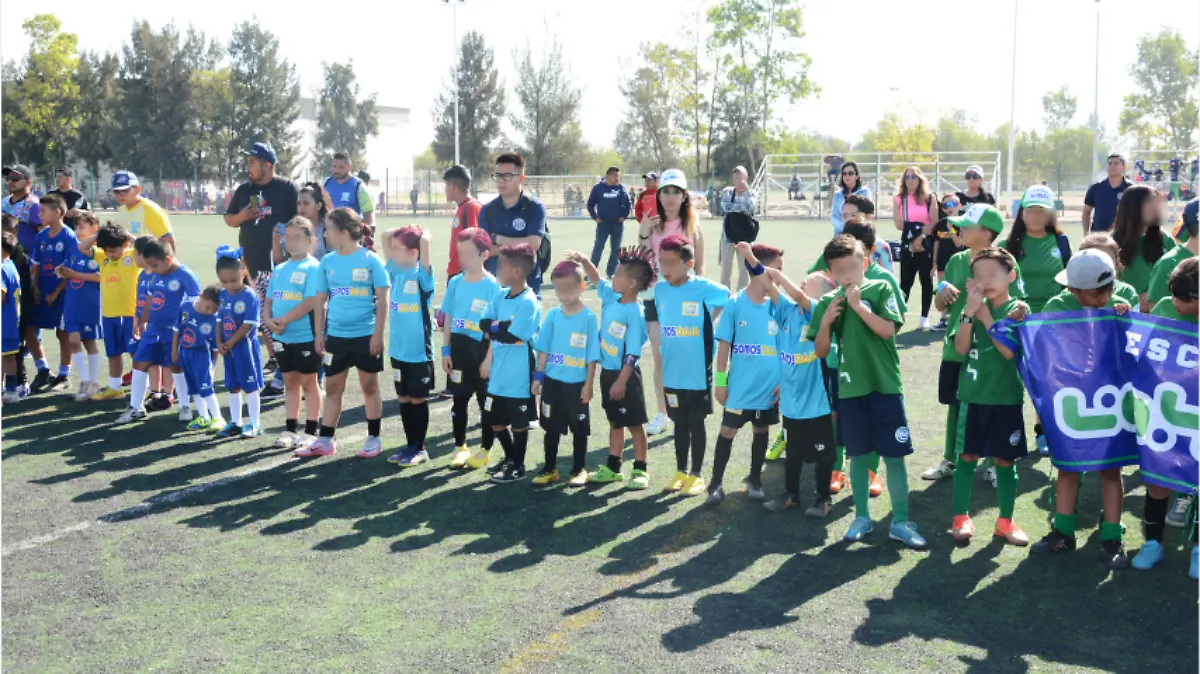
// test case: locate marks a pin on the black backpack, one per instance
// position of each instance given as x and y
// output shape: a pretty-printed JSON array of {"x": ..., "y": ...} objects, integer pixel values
[{"x": 544, "y": 250}]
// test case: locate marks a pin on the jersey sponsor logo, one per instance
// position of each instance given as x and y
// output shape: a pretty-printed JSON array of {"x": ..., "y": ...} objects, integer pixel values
[
  {"x": 617, "y": 330},
  {"x": 360, "y": 275},
  {"x": 404, "y": 307},
  {"x": 565, "y": 360},
  {"x": 187, "y": 339},
  {"x": 680, "y": 331},
  {"x": 410, "y": 287},
  {"x": 464, "y": 324},
  {"x": 348, "y": 291},
  {"x": 690, "y": 309},
  {"x": 790, "y": 359},
  {"x": 578, "y": 340},
  {"x": 610, "y": 349},
  {"x": 287, "y": 295},
  {"x": 478, "y": 306},
  {"x": 298, "y": 277},
  {"x": 157, "y": 302},
  {"x": 753, "y": 350},
  {"x": 228, "y": 326}
]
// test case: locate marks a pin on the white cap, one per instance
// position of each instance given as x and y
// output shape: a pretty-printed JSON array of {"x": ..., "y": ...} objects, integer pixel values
[
  {"x": 741, "y": 169},
  {"x": 974, "y": 168},
  {"x": 1088, "y": 269},
  {"x": 673, "y": 178}
]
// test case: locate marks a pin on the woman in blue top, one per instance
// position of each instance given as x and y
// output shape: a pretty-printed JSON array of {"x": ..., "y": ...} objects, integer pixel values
[
  {"x": 314, "y": 205},
  {"x": 850, "y": 183}
]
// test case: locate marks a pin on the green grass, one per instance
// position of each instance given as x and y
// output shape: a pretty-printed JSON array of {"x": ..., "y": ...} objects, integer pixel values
[{"x": 329, "y": 565}]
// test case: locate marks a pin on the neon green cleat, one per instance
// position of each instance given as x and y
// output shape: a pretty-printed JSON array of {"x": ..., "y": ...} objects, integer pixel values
[
  {"x": 199, "y": 424},
  {"x": 777, "y": 447},
  {"x": 605, "y": 475}
]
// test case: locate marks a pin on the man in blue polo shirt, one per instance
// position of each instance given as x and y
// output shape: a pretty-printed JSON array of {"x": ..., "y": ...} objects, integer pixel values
[
  {"x": 1100, "y": 202},
  {"x": 345, "y": 189},
  {"x": 514, "y": 217}
]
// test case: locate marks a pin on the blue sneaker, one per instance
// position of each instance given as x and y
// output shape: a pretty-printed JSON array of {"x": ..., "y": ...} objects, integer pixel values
[
  {"x": 249, "y": 431},
  {"x": 1043, "y": 447},
  {"x": 1194, "y": 567},
  {"x": 231, "y": 430},
  {"x": 415, "y": 458},
  {"x": 859, "y": 528},
  {"x": 906, "y": 533},
  {"x": 400, "y": 455},
  {"x": 1150, "y": 554}
]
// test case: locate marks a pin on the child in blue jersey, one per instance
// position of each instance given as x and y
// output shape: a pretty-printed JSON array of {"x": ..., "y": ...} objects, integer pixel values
[
  {"x": 511, "y": 321},
  {"x": 237, "y": 340},
  {"x": 568, "y": 348},
  {"x": 687, "y": 307},
  {"x": 287, "y": 313},
  {"x": 52, "y": 249},
  {"x": 10, "y": 333},
  {"x": 170, "y": 286},
  {"x": 81, "y": 309},
  {"x": 747, "y": 355},
  {"x": 622, "y": 336},
  {"x": 193, "y": 346},
  {"x": 352, "y": 294},
  {"x": 159, "y": 400},
  {"x": 411, "y": 332},
  {"x": 463, "y": 347}
]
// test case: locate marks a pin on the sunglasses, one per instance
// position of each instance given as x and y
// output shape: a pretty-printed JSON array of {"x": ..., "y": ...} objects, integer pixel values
[
  {"x": 950, "y": 204},
  {"x": 910, "y": 176},
  {"x": 849, "y": 173},
  {"x": 974, "y": 176}
]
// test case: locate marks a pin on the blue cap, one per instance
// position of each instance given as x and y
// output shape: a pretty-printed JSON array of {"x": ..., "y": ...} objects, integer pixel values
[
  {"x": 1191, "y": 213},
  {"x": 262, "y": 151},
  {"x": 123, "y": 180}
]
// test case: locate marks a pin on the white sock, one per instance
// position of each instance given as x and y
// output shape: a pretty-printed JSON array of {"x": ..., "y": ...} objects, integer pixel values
[
  {"x": 235, "y": 408},
  {"x": 181, "y": 390},
  {"x": 214, "y": 406},
  {"x": 94, "y": 361},
  {"x": 201, "y": 406},
  {"x": 79, "y": 362},
  {"x": 137, "y": 390},
  {"x": 254, "y": 403},
  {"x": 114, "y": 383}
]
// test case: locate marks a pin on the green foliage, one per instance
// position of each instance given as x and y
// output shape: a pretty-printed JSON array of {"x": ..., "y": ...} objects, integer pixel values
[
  {"x": 1059, "y": 106},
  {"x": 548, "y": 108},
  {"x": 96, "y": 78},
  {"x": 652, "y": 132},
  {"x": 1162, "y": 113},
  {"x": 266, "y": 93},
  {"x": 41, "y": 97},
  {"x": 344, "y": 122},
  {"x": 480, "y": 108}
]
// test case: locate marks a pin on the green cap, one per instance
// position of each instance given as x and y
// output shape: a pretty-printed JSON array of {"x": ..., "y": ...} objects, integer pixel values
[
  {"x": 1038, "y": 196},
  {"x": 980, "y": 215}
]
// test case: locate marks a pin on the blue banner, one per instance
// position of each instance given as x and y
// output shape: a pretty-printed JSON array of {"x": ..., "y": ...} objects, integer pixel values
[{"x": 1114, "y": 391}]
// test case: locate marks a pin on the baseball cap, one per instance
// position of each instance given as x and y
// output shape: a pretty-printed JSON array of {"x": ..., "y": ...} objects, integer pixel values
[
  {"x": 1190, "y": 213},
  {"x": 613, "y": 169},
  {"x": 262, "y": 151},
  {"x": 1087, "y": 270},
  {"x": 980, "y": 215},
  {"x": 19, "y": 169},
  {"x": 742, "y": 169},
  {"x": 123, "y": 180},
  {"x": 1038, "y": 196},
  {"x": 974, "y": 168},
  {"x": 673, "y": 178},
  {"x": 651, "y": 175}
]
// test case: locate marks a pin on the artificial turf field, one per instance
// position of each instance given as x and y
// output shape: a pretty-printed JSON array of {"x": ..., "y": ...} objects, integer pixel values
[{"x": 142, "y": 547}]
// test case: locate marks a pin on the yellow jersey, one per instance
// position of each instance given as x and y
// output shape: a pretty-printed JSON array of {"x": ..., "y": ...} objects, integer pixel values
[
  {"x": 145, "y": 218},
  {"x": 118, "y": 284}
]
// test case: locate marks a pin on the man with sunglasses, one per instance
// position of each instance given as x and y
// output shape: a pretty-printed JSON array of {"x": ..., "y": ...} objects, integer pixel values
[
  {"x": 23, "y": 205},
  {"x": 514, "y": 217},
  {"x": 1100, "y": 202}
]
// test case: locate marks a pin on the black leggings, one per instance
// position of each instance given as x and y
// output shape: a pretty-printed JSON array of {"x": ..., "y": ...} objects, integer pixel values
[
  {"x": 458, "y": 413},
  {"x": 690, "y": 435},
  {"x": 914, "y": 266}
]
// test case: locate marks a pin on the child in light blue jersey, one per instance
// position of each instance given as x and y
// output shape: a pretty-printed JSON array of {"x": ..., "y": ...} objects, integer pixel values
[
  {"x": 237, "y": 340},
  {"x": 568, "y": 348},
  {"x": 411, "y": 345}
]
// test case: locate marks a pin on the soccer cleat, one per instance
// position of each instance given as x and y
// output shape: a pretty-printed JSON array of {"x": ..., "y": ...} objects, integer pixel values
[
  {"x": 605, "y": 475},
  {"x": 58, "y": 383},
  {"x": 906, "y": 533},
  {"x": 1194, "y": 565},
  {"x": 319, "y": 447},
  {"x": 215, "y": 425},
  {"x": 754, "y": 489},
  {"x": 837, "y": 482},
  {"x": 715, "y": 495},
  {"x": 676, "y": 481},
  {"x": 371, "y": 448},
  {"x": 859, "y": 528},
  {"x": 817, "y": 510},
  {"x": 159, "y": 403},
  {"x": 1178, "y": 515},
  {"x": 1112, "y": 555},
  {"x": 129, "y": 415},
  {"x": 479, "y": 459},
  {"x": 578, "y": 479},
  {"x": 286, "y": 440},
  {"x": 962, "y": 529},
  {"x": 1010, "y": 532},
  {"x": 1055, "y": 541},
  {"x": 303, "y": 442},
  {"x": 231, "y": 430},
  {"x": 924, "y": 322},
  {"x": 943, "y": 469},
  {"x": 1043, "y": 447},
  {"x": 776, "y": 449},
  {"x": 398, "y": 456},
  {"x": 84, "y": 392},
  {"x": 271, "y": 392},
  {"x": 876, "y": 485},
  {"x": 10, "y": 397},
  {"x": 657, "y": 425},
  {"x": 460, "y": 457},
  {"x": 251, "y": 431},
  {"x": 186, "y": 413},
  {"x": 545, "y": 477},
  {"x": 40, "y": 381},
  {"x": 198, "y": 424},
  {"x": 511, "y": 473},
  {"x": 1150, "y": 554},
  {"x": 778, "y": 505},
  {"x": 694, "y": 485},
  {"x": 414, "y": 457},
  {"x": 990, "y": 476},
  {"x": 498, "y": 466},
  {"x": 108, "y": 393}
]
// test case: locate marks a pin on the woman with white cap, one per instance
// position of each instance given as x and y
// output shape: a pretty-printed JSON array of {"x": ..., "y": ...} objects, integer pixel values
[
  {"x": 974, "y": 194},
  {"x": 674, "y": 215}
]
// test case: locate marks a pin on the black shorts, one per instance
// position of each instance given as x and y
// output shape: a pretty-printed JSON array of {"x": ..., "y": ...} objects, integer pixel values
[
  {"x": 413, "y": 380},
  {"x": 343, "y": 353},
  {"x": 650, "y": 310},
  {"x": 684, "y": 405},
  {"x": 562, "y": 409},
  {"x": 296, "y": 357},
  {"x": 875, "y": 422},
  {"x": 813, "y": 438},
  {"x": 512, "y": 412},
  {"x": 948, "y": 382},
  {"x": 997, "y": 431},
  {"x": 629, "y": 411},
  {"x": 758, "y": 418},
  {"x": 467, "y": 355},
  {"x": 946, "y": 250},
  {"x": 831, "y": 384}
]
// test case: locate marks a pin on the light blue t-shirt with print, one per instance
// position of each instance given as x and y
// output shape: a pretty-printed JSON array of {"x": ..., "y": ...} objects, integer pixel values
[
  {"x": 622, "y": 328},
  {"x": 292, "y": 282},
  {"x": 750, "y": 330},
  {"x": 802, "y": 392},
  {"x": 685, "y": 316},
  {"x": 570, "y": 343},
  {"x": 512, "y": 370},
  {"x": 350, "y": 282},
  {"x": 410, "y": 317},
  {"x": 465, "y": 302}
]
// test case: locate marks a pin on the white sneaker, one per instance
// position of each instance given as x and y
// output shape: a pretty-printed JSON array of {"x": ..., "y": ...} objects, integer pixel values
[
  {"x": 129, "y": 415},
  {"x": 301, "y": 442},
  {"x": 657, "y": 425},
  {"x": 11, "y": 397},
  {"x": 1178, "y": 515},
  {"x": 287, "y": 440},
  {"x": 943, "y": 469},
  {"x": 924, "y": 322},
  {"x": 990, "y": 476},
  {"x": 84, "y": 392},
  {"x": 186, "y": 413}
]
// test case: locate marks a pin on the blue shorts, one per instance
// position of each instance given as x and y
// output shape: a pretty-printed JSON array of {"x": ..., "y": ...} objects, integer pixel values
[
  {"x": 10, "y": 343},
  {"x": 197, "y": 370},
  {"x": 874, "y": 423},
  {"x": 997, "y": 431},
  {"x": 243, "y": 367},
  {"x": 154, "y": 348},
  {"x": 118, "y": 335},
  {"x": 87, "y": 331},
  {"x": 48, "y": 316}
]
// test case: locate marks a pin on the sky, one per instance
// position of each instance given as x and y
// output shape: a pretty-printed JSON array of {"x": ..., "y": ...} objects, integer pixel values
[{"x": 923, "y": 55}]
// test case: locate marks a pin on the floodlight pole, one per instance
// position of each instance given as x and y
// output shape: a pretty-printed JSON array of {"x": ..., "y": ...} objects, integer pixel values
[
  {"x": 1012, "y": 113},
  {"x": 1096, "y": 100}
]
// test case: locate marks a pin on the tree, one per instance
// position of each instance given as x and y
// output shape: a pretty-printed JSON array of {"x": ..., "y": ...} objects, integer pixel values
[
  {"x": 894, "y": 133},
  {"x": 96, "y": 78},
  {"x": 1162, "y": 112},
  {"x": 547, "y": 124},
  {"x": 41, "y": 97},
  {"x": 212, "y": 151},
  {"x": 649, "y": 134},
  {"x": 266, "y": 94},
  {"x": 956, "y": 132},
  {"x": 480, "y": 108},
  {"x": 1059, "y": 107},
  {"x": 344, "y": 123}
]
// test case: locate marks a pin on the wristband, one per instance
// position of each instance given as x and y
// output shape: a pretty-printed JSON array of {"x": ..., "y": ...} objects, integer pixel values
[
  {"x": 630, "y": 359},
  {"x": 721, "y": 379},
  {"x": 758, "y": 270},
  {"x": 539, "y": 377},
  {"x": 445, "y": 351},
  {"x": 941, "y": 286}
]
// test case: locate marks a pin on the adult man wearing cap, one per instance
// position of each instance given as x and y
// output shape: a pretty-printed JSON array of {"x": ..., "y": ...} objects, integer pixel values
[
  {"x": 737, "y": 198},
  {"x": 22, "y": 205},
  {"x": 255, "y": 208},
  {"x": 346, "y": 189},
  {"x": 76, "y": 202},
  {"x": 466, "y": 210},
  {"x": 136, "y": 213},
  {"x": 1100, "y": 202},
  {"x": 647, "y": 203},
  {"x": 608, "y": 205}
]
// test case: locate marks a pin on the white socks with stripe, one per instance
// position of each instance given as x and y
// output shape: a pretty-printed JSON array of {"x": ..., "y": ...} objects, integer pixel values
[
  {"x": 137, "y": 390},
  {"x": 254, "y": 404}
]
